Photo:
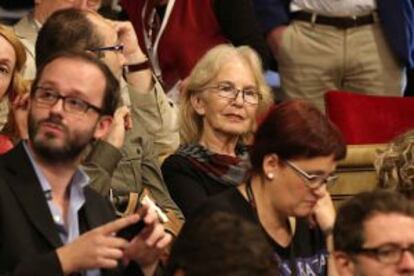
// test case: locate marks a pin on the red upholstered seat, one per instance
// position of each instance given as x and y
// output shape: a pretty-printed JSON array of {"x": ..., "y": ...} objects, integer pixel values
[{"x": 366, "y": 119}]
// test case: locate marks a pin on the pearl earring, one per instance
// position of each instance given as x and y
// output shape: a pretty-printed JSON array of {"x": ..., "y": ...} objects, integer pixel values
[{"x": 270, "y": 176}]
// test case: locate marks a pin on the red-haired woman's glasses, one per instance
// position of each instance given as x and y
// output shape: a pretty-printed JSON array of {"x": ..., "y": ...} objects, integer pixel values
[{"x": 312, "y": 180}]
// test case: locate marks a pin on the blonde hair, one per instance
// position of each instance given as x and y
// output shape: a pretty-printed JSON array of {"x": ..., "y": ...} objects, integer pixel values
[
  {"x": 191, "y": 123},
  {"x": 395, "y": 165},
  {"x": 17, "y": 85}
]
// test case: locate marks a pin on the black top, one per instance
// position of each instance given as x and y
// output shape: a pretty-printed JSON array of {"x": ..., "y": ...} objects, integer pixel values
[
  {"x": 188, "y": 186},
  {"x": 306, "y": 254}
]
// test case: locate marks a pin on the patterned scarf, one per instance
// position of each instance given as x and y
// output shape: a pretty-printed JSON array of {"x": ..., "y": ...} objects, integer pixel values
[{"x": 225, "y": 169}]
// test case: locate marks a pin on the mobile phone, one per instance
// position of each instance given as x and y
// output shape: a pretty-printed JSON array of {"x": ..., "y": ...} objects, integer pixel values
[{"x": 131, "y": 231}]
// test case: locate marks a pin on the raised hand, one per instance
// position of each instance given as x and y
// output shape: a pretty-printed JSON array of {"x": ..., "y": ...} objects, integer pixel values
[
  {"x": 20, "y": 111},
  {"x": 120, "y": 124},
  {"x": 324, "y": 212},
  {"x": 128, "y": 37}
]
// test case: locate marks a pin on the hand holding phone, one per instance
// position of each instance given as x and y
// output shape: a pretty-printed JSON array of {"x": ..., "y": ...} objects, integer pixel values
[{"x": 132, "y": 230}]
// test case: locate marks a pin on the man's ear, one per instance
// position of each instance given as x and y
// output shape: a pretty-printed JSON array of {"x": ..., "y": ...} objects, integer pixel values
[
  {"x": 103, "y": 126},
  {"x": 345, "y": 265},
  {"x": 198, "y": 103}
]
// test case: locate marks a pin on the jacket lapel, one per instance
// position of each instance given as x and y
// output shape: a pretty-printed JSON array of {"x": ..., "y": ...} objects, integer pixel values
[
  {"x": 94, "y": 212},
  {"x": 24, "y": 183}
]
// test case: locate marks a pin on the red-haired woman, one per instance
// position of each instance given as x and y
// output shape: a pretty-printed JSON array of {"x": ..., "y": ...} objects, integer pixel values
[{"x": 293, "y": 160}]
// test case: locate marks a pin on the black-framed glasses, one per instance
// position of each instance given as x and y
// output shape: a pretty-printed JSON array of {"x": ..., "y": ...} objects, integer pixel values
[
  {"x": 114, "y": 48},
  {"x": 312, "y": 180},
  {"x": 49, "y": 97},
  {"x": 228, "y": 90},
  {"x": 387, "y": 254}
]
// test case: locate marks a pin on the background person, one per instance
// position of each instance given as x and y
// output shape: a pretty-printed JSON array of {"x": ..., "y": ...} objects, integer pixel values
[
  {"x": 158, "y": 23},
  {"x": 360, "y": 46},
  {"x": 220, "y": 104},
  {"x": 395, "y": 165},
  {"x": 374, "y": 235},
  {"x": 221, "y": 244},
  {"x": 28, "y": 27}
]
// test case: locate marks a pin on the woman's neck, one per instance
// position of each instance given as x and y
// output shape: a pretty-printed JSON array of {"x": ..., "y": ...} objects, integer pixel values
[
  {"x": 275, "y": 223},
  {"x": 219, "y": 143}
]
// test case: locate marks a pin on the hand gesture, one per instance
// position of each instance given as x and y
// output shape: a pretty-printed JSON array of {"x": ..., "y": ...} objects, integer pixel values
[
  {"x": 324, "y": 211},
  {"x": 121, "y": 123},
  {"x": 98, "y": 248},
  {"x": 128, "y": 37},
  {"x": 20, "y": 110},
  {"x": 147, "y": 247}
]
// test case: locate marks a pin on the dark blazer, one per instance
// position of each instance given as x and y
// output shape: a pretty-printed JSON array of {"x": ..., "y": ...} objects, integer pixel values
[
  {"x": 28, "y": 235},
  {"x": 397, "y": 19}
]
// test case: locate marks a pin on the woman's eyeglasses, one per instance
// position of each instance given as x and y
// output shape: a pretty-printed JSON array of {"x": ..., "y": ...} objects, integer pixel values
[
  {"x": 228, "y": 90},
  {"x": 312, "y": 180}
]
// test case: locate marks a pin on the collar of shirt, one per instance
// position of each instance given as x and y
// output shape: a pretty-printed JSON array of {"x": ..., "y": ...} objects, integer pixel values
[{"x": 70, "y": 231}]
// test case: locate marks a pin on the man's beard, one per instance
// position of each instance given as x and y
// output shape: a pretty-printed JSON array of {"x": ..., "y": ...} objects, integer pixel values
[{"x": 44, "y": 146}]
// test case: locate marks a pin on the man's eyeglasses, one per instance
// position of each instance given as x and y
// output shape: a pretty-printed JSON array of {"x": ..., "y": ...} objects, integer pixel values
[
  {"x": 387, "y": 254},
  {"x": 114, "y": 48},
  {"x": 229, "y": 91},
  {"x": 312, "y": 180},
  {"x": 49, "y": 97}
]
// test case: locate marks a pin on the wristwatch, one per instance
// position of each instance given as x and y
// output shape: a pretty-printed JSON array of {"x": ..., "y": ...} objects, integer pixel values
[{"x": 136, "y": 67}]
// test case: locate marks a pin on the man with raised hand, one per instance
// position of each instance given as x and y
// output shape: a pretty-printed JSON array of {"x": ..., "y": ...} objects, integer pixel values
[{"x": 51, "y": 222}]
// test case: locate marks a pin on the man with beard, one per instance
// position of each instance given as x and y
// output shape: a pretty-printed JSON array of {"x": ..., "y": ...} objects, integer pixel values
[
  {"x": 51, "y": 222},
  {"x": 374, "y": 235}
]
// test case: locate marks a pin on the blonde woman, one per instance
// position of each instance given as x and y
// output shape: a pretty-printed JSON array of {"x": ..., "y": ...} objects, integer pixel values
[
  {"x": 12, "y": 87},
  {"x": 225, "y": 93}
]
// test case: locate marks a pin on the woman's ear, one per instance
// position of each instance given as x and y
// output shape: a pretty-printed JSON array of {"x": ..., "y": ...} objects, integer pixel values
[
  {"x": 198, "y": 103},
  {"x": 270, "y": 165}
]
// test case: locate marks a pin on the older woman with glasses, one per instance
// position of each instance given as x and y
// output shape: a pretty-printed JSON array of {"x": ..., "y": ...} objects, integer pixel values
[
  {"x": 293, "y": 160},
  {"x": 218, "y": 110}
]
